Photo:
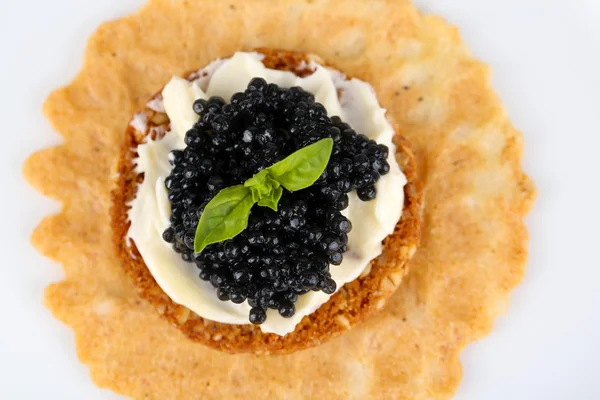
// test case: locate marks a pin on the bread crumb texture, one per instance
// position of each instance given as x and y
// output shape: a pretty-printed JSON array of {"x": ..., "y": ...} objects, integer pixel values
[{"x": 473, "y": 243}]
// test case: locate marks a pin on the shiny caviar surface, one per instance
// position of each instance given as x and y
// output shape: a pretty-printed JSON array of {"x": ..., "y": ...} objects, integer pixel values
[{"x": 285, "y": 253}]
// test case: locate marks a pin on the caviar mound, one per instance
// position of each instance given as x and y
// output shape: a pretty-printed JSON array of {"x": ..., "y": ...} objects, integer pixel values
[
  {"x": 284, "y": 253},
  {"x": 352, "y": 303}
]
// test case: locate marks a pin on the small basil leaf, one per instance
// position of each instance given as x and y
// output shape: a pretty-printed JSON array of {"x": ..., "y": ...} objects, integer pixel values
[
  {"x": 255, "y": 191},
  {"x": 272, "y": 200},
  {"x": 302, "y": 168},
  {"x": 262, "y": 186},
  {"x": 258, "y": 179},
  {"x": 224, "y": 217}
]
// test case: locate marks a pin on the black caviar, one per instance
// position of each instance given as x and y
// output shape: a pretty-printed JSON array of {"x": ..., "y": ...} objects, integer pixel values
[{"x": 283, "y": 254}]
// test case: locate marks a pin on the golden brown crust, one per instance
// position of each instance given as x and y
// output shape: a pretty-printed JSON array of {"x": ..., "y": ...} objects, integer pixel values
[
  {"x": 473, "y": 248},
  {"x": 354, "y": 302}
]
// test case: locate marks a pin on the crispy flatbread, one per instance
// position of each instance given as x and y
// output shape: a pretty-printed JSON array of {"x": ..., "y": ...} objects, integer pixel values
[{"x": 473, "y": 245}]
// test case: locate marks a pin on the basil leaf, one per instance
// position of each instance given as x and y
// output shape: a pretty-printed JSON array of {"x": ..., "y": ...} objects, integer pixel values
[
  {"x": 255, "y": 193},
  {"x": 272, "y": 200},
  {"x": 224, "y": 217},
  {"x": 261, "y": 185},
  {"x": 258, "y": 179},
  {"x": 302, "y": 168}
]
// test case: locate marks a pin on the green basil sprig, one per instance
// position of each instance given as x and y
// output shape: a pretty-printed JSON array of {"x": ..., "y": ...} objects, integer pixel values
[
  {"x": 265, "y": 190},
  {"x": 226, "y": 215}
]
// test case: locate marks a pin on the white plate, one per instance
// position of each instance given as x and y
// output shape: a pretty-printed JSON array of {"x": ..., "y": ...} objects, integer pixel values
[{"x": 545, "y": 55}]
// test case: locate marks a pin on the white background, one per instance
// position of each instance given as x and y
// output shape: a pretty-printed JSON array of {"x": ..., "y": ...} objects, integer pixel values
[{"x": 546, "y": 60}]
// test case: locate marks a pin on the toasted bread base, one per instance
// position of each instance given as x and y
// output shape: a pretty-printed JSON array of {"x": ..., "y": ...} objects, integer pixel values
[{"x": 346, "y": 308}]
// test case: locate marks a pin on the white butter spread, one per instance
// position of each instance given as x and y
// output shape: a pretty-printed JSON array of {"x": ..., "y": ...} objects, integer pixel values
[{"x": 150, "y": 211}]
